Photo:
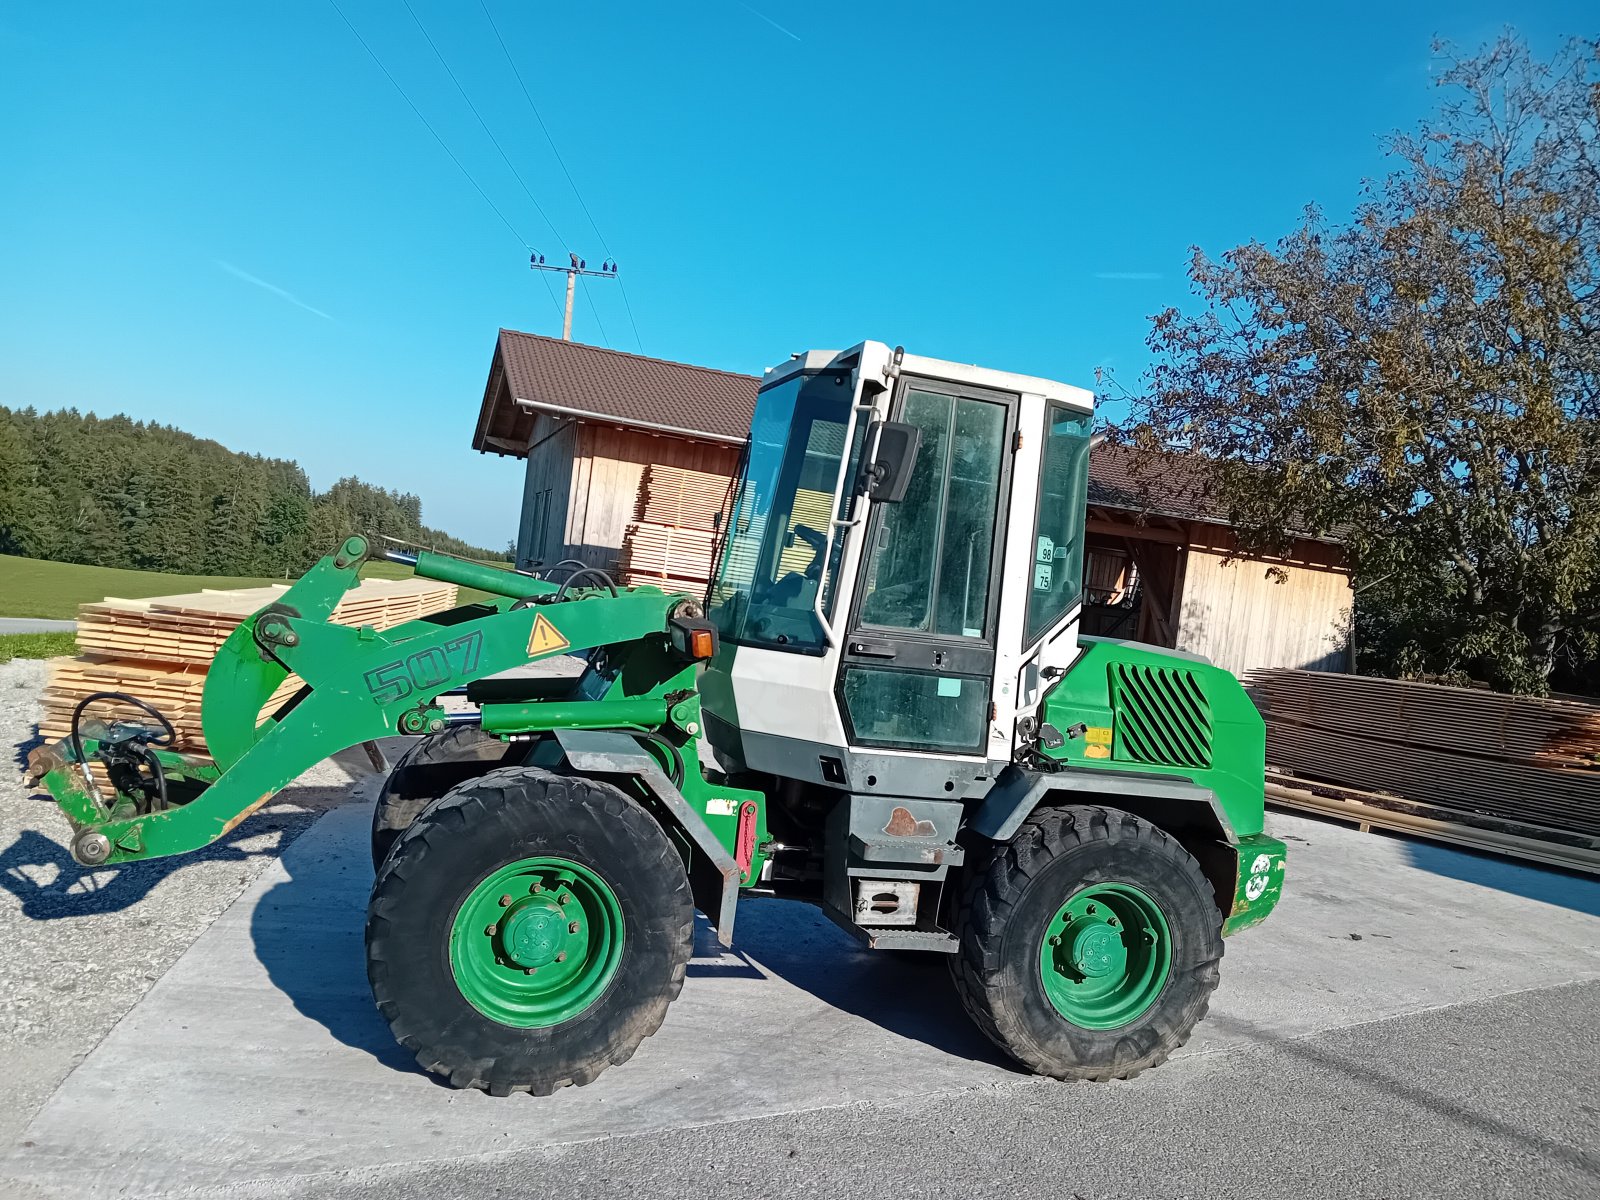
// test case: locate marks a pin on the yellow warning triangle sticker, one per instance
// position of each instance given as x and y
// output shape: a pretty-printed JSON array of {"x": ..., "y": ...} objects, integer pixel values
[{"x": 545, "y": 638}]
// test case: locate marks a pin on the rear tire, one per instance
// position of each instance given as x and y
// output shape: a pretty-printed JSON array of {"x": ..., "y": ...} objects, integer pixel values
[
  {"x": 1090, "y": 944},
  {"x": 430, "y": 767},
  {"x": 472, "y": 895}
]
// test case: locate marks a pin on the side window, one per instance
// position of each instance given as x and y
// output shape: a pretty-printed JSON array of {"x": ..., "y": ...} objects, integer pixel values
[
  {"x": 929, "y": 564},
  {"x": 1057, "y": 570}
]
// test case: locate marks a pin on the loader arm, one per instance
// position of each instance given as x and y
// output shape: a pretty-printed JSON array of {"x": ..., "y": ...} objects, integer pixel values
[{"x": 359, "y": 684}]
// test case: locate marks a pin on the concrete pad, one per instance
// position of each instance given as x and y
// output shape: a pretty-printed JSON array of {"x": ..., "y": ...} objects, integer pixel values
[{"x": 259, "y": 1054}]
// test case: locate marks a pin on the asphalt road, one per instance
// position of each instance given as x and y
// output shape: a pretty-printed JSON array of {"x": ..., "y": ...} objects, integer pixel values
[
  {"x": 35, "y": 625},
  {"x": 1495, "y": 1098}
]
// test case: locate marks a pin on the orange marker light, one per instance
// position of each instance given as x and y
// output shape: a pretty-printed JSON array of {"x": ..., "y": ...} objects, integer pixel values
[{"x": 701, "y": 643}]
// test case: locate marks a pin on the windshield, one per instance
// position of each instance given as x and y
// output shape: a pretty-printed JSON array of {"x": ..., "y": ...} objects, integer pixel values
[{"x": 765, "y": 593}]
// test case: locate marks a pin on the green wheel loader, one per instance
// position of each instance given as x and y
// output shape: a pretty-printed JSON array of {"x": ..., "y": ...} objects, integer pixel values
[{"x": 882, "y": 705}]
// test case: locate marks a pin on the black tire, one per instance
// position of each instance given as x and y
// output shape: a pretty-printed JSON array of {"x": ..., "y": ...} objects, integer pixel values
[
  {"x": 1007, "y": 904},
  {"x": 430, "y": 767},
  {"x": 482, "y": 825}
]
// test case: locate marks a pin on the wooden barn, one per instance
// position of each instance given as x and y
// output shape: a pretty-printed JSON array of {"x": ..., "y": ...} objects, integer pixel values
[{"x": 1160, "y": 565}]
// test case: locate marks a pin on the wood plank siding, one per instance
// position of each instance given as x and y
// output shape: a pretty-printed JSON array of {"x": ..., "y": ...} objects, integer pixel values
[
  {"x": 546, "y": 491},
  {"x": 1251, "y": 612},
  {"x": 592, "y": 473}
]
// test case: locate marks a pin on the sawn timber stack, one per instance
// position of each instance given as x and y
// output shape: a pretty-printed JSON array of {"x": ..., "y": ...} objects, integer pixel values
[{"x": 159, "y": 648}]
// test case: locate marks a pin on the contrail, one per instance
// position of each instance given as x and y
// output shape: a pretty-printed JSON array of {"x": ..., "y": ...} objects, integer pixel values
[
  {"x": 756, "y": 13},
  {"x": 271, "y": 287}
]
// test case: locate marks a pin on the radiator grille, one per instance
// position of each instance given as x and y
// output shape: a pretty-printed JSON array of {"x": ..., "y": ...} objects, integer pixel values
[{"x": 1163, "y": 717}]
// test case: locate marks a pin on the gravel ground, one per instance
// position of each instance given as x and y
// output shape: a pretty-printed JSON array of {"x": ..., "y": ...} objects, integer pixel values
[{"x": 80, "y": 948}]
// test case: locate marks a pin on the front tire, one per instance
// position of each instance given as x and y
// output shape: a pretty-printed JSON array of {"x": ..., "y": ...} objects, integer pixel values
[
  {"x": 430, "y": 767},
  {"x": 1090, "y": 944},
  {"x": 528, "y": 931}
]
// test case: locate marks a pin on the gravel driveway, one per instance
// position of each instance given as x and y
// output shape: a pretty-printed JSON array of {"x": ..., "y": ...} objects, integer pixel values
[{"x": 80, "y": 948}]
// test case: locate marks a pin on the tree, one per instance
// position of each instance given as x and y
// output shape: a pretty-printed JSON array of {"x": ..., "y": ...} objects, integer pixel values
[
  {"x": 1424, "y": 381},
  {"x": 23, "y": 503},
  {"x": 121, "y": 493}
]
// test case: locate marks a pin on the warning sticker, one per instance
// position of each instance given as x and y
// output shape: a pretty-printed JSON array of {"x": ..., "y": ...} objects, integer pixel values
[
  {"x": 545, "y": 638},
  {"x": 1098, "y": 735},
  {"x": 1093, "y": 751}
]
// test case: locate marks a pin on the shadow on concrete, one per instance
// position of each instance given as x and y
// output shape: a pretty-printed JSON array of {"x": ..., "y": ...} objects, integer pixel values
[
  {"x": 39, "y": 871},
  {"x": 308, "y": 934},
  {"x": 909, "y": 994},
  {"x": 1550, "y": 885}
]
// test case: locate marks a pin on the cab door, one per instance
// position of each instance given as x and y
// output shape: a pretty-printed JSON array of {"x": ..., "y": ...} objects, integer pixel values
[{"x": 917, "y": 664}]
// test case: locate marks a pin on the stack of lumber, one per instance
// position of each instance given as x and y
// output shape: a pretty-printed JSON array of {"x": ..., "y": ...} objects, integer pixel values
[
  {"x": 1492, "y": 761},
  {"x": 160, "y": 648},
  {"x": 672, "y": 540},
  {"x": 190, "y": 628},
  {"x": 680, "y": 498}
]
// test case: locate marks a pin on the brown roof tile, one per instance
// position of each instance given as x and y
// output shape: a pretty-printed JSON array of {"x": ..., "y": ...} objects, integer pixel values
[
  {"x": 628, "y": 388},
  {"x": 1167, "y": 485},
  {"x": 654, "y": 393}
]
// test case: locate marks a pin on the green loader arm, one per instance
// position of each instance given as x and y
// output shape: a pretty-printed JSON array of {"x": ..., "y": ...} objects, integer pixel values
[{"x": 360, "y": 684}]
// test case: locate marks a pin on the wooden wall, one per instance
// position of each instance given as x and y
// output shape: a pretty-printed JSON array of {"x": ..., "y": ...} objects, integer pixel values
[
  {"x": 546, "y": 491},
  {"x": 1252, "y": 613},
  {"x": 606, "y": 463}
]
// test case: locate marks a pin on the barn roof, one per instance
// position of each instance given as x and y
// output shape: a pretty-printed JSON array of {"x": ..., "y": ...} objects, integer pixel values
[
  {"x": 569, "y": 379},
  {"x": 530, "y": 373},
  {"x": 1166, "y": 485}
]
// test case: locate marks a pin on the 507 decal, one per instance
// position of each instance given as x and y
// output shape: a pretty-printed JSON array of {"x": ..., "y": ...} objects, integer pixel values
[{"x": 425, "y": 669}]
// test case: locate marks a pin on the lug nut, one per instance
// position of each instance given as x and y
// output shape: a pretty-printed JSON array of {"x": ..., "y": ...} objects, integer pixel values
[
  {"x": 529, "y": 970},
  {"x": 561, "y": 956},
  {"x": 504, "y": 901},
  {"x": 1090, "y": 910},
  {"x": 538, "y": 886},
  {"x": 1055, "y": 941},
  {"x": 1111, "y": 921},
  {"x": 563, "y": 898},
  {"x": 492, "y": 930},
  {"x": 572, "y": 927}
]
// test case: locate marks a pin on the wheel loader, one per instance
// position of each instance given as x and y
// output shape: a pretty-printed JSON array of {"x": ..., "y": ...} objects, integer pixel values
[{"x": 882, "y": 705}]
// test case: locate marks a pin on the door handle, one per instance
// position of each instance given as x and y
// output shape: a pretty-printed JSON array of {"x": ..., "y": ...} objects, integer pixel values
[{"x": 871, "y": 650}]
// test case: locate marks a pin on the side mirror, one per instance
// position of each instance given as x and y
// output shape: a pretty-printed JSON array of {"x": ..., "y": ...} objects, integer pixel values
[{"x": 893, "y": 446}]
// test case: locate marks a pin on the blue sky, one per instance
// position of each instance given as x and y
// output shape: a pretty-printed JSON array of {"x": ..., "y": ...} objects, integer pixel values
[{"x": 224, "y": 216}]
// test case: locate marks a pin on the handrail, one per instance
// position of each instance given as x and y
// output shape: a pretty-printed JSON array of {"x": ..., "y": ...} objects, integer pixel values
[{"x": 834, "y": 520}]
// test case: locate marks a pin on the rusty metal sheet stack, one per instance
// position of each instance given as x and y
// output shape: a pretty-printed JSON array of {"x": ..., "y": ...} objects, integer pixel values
[{"x": 1520, "y": 765}]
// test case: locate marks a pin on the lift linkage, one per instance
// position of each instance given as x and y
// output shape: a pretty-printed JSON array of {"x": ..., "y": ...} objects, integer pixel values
[{"x": 359, "y": 684}]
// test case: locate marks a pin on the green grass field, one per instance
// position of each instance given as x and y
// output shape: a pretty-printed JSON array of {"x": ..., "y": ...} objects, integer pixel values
[
  {"x": 36, "y": 645},
  {"x": 31, "y": 587}
]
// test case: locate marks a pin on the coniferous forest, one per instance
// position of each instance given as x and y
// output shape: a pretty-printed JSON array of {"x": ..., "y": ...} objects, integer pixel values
[{"x": 115, "y": 492}]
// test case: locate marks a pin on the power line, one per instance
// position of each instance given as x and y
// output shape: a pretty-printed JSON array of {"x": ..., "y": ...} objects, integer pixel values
[
  {"x": 590, "y": 298},
  {"x": 543, "y": 128},
  {"x": 482, "y": 123},
  {"x": 426, "y": 124}
]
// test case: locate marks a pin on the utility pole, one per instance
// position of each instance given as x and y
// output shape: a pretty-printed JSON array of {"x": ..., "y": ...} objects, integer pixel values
[{"x": 578, "y": 266}]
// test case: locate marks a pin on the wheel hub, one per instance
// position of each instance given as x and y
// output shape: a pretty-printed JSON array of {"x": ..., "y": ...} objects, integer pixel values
[
  {"x": 536, "y": 942},
  {"x": 534, "y": 934},
  {"x": 1105, "y": 956},
  {"x": 1096, "y": 950}
]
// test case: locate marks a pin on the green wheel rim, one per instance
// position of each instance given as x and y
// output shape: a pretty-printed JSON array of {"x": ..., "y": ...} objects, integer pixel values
[
  {"x": 1105, "y": 956},
  {"x": 536, "y": 942}
]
